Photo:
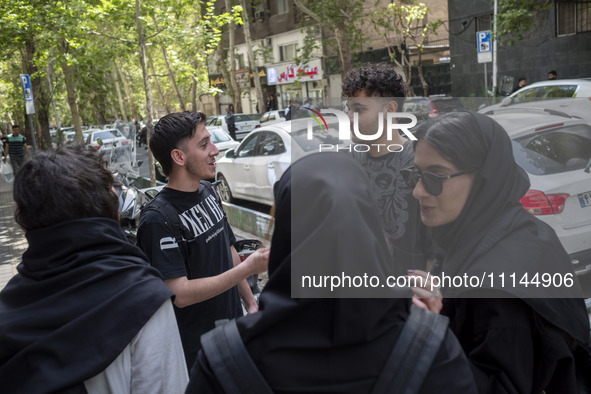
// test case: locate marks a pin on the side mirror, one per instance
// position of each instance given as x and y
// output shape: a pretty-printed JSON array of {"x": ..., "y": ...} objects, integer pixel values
[
  {"x": 230, "y": 154},
  {"x": 506, "y": 101}
]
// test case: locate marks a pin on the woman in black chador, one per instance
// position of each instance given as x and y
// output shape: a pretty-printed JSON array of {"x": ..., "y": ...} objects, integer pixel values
[
  {"x": 519, "y": 339},
  {"x": 337, "y": 345}
]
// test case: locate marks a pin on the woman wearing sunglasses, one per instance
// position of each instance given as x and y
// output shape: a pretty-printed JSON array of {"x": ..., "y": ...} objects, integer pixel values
[{"x": 518, "y": 338}]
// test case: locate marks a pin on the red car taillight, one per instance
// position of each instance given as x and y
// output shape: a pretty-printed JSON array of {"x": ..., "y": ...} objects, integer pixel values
[
  {"x": 124, "y": 143},
  {"x": 538, "y": 203},
  {"x": 433, "y": 113}
]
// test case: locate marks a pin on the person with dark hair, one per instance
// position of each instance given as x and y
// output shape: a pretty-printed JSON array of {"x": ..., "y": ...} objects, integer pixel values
[
  {"x": 518, "y": 338},
  {"x": 520, "y": 84},
  {"x": 231, "y": 122},
  {"x": 85, "y": 312},
  {"x": 332, "y": 345},
  {"x": 372, "y": 91},
  {"x": 552, "y": 75},
  {"x": 202, "y": 268},
  {"x": 16, "y": 147}
]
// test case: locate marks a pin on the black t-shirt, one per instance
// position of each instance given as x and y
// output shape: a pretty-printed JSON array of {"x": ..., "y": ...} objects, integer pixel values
[
  {"x": 408, "y": 238},
  {"x": 208, "y": 255}
]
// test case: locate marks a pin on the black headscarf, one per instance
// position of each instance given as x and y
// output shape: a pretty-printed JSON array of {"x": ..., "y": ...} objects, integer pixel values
[
  {"x": 334, "y": 223},
  {"x": 494, "y": 235},
  {"x": 82, "y": 293}
]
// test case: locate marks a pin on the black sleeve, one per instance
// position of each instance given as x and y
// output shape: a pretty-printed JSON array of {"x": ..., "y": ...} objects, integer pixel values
[
  {"x": 450, "y": 371},
  {"x": 500, "y": 345},
  {"x": 158, "y": 243}
]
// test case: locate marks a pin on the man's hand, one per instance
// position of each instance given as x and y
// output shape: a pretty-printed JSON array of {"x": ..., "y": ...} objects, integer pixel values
[
  {"x": 258, "y": 261},
  {"x": 4, "y": 159}
]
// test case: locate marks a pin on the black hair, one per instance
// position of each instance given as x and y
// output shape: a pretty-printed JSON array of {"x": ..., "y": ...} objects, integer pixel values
[
  {"x": 71, "y": 183},
  {"x": 377, "y": 79},
  {"x": 15, "y": 126},
  {"x": 553, "y": 72},
  {"x": 456, "y": 137},
  {"x": 169, "y": 132},
  {"x": 522, "y": 79}
]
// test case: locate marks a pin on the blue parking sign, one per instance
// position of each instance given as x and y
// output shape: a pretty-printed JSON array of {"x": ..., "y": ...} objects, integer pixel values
[
  {"x": 483, "y": 38},
  {"x": 27, "y": 93}
]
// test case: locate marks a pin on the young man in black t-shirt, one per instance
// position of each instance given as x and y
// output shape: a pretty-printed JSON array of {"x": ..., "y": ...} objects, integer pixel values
[
  {"x": 204, "y": 271},
  {"x": 372, "y": 91}
]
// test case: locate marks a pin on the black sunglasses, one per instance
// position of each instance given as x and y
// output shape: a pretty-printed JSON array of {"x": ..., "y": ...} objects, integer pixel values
[{"x": 432, "y": 183}]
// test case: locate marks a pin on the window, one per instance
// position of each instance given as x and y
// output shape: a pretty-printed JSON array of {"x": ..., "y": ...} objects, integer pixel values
[
  {"x": 270, "y": 144},
  {"x": 573, "y": 17},
  {"x": 525, "y": 96},
  {"x": 246, "y": 149},
  {"x": 561, "y": 91},
  {"x": 282, "y": 6},
  {"x": 287, "y": 52}
]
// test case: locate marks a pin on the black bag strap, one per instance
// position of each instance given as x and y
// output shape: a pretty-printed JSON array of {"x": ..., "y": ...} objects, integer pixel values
[
  {"x": 231, "y": 364},
  {"x": 413, "y": 354}
]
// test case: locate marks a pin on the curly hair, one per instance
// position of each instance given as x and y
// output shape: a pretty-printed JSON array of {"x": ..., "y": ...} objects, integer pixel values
[
  {"x": 71, "y": 183},
  {"x": 169, "y": 132},
  {"x": 377, "y": 79}
]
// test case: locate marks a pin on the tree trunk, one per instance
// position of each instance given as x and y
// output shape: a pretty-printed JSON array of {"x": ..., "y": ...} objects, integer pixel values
[
  {"x": 118, "y": 90},
  {"x": 70, "y": 90},
  {"x": 345, "y": 55},
  {"x": 422, "y": 77},
  {"x": 194, "y": 95},
  {"x": 170, "y": 72},
  {"x": 127, "y": 92},
  {"x": 142, "y": 47},
  {"x": 158, "y": 87},
  {"x": 225, "y": 72},
  {"x": 236, "y": 97},
  {"x": 251, "y": 59}
]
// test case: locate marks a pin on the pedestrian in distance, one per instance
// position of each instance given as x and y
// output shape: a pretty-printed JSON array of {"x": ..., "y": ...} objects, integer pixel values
[
  {"x": 85, "y": 312},
  {"x": 519, "y": 338},
  {"x": 16, "y": 147},
  {"x": 552, "y": 75},
  {"x": 342, "y": 344},
  {"x": 373, "y": 90},
  {"x": 520, "y": 84},
  {"x": 193, "y": 249},
  {"x": 230, "y": 122}
]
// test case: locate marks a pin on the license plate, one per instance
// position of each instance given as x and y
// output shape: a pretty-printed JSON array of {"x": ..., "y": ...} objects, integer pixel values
[{"x": 585, "y": 199}]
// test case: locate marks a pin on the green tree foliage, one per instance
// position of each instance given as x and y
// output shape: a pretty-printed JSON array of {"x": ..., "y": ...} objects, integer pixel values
[{"x": 515, "y": 18}]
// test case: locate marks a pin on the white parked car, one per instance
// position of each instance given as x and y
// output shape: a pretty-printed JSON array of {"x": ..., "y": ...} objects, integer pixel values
[
  {"x": 251, "y": 171},
  {"x": 108, "y": 141},
  {"x": 571, "y": 96},
  {"x": 244, "y": 123},
  {"x": 556, "y": 153},
  {"x": 271, "y": 117},
  {"x": 221, "y": 140}
]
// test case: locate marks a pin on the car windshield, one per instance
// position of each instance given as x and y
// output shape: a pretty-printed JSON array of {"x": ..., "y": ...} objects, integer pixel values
[
  {"x": 246, "y": 117},
  {"x": 105, "y": 135},
  {"x": 555, "y": 151},
  {"x": 218, "y": 136}
]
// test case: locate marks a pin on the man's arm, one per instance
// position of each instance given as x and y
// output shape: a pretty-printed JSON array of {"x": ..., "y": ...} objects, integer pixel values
[
  {"x": 243, "y": 288},
  {"x": 5, "y": 152},
  {"x": 189, "y": 292},
  {"x": 26, "y": 148}
]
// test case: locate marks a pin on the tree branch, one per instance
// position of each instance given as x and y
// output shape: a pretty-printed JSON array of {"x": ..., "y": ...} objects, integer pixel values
[{"x": 306, "y": 10}]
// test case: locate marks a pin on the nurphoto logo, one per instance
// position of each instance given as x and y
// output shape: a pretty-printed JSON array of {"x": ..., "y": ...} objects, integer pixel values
[{"x": 346, "y": 134}]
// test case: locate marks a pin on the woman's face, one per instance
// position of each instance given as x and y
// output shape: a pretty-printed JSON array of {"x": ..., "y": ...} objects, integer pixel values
[{"x": 446, "y": 207}]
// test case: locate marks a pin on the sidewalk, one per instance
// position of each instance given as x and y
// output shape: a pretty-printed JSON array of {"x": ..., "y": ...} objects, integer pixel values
[{"x": 12, "y": 238}]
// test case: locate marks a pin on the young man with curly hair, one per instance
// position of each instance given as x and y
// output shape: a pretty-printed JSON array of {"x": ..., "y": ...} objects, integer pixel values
[{"x": 372, "y": 91}]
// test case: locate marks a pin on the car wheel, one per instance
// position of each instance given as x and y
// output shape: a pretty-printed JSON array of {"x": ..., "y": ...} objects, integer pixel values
[{"x": 223, "y": 189}]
